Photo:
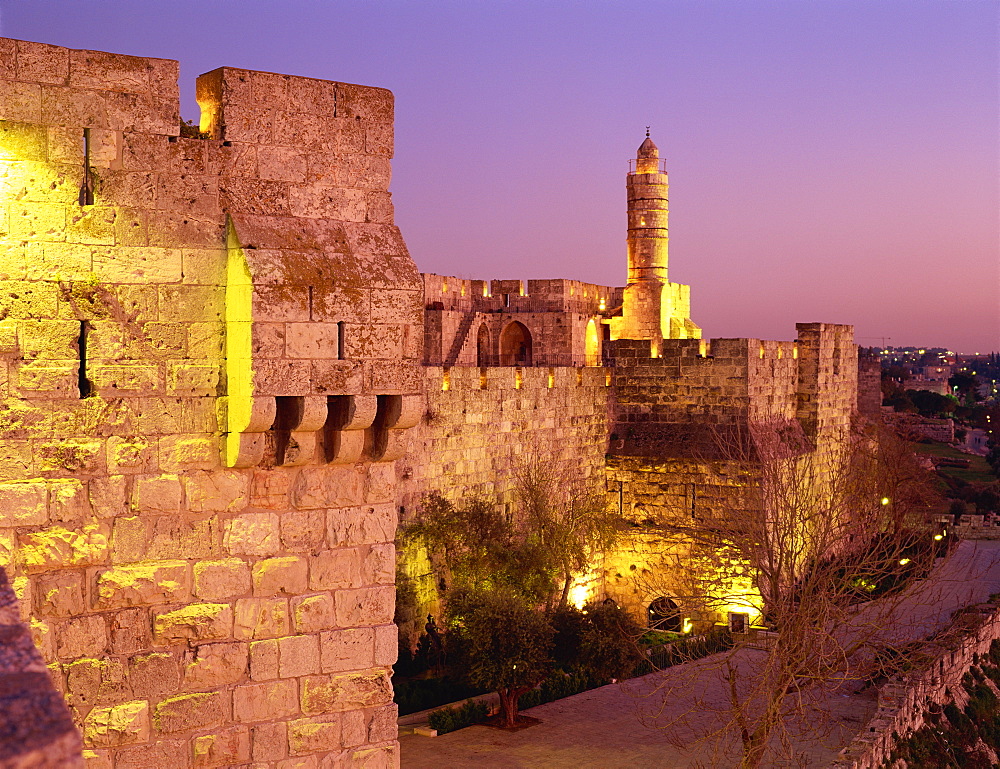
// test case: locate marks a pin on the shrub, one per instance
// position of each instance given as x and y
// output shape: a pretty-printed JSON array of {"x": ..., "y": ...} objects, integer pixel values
[{"x": 450, "y": 719}]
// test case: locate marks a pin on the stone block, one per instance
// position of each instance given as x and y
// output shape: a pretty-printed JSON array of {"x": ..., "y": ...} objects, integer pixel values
[
  {"x": 129, "y": 630},
  {"x": 125, "y": 379},
  {"x": 319, "y": 734},
  {"x": 379, "y": 567},
  {"x": 383, "y": 725},
  {"x": 60, "y": 548},
  {"x": 253, "y": 534},
  {"x": 26, "y": 503},
  {"x": 386, "y": 645},
  {"x": 188, "y": 452},
  {"x": 332, "y": 569},
  {"x": 312, "y": 613},
  {"x": 261, "y": 618},
  {"x": 187, "y": 712},
  {"x": 354, "y": 728},
  {"x": 264, "y": 660},
  {"x": 337, "y": 377},
  {"x": 128, "y": 264},
  {"x": 311, "y": 340},
  {"x": 302, "y": 529},
  {"x": 124, "y": 724},
  {"x": 324, "y": 487},
  {"x": 155, "y": 674},
  {"x": 287, "y": 574},
  {"x": 97, "y": 759},
  {"x": 59, "y": 594},
  {"x": 227, "y": 747},
  {"x": 94, "y": 681},
  {"x": 351, "y": 649},
  {"x": 82, "y": 637},
  {"x": 162, "y": 754},
  {"x": 225, "y": 578},
  {"x": 265, "y": 701},
  {"x": 283, "y": 377},
  {"x": 142, "y": 584},
  {"x": 362, "y": 525},
  {"x": 197, "y": 622},
  {"x": 131, "y": 454},
  {"x": 192, "y": 379},
  {"x": 380, "y": 485},
  {"x": 381, "y": 757},
  {"x": 157, "y": 494},
  {"x": 332, "y": 694},
  {"x": 217, "y": 491},
  {"x": 269, "y": 741},
  {"x": 298, "y": 656},
  {"x": 367, "y": 606},
  {"x": 212, "y": 666}
]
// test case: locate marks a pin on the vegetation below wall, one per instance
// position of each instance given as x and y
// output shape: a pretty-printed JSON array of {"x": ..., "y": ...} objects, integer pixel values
[{"x": 966, "y": 738}]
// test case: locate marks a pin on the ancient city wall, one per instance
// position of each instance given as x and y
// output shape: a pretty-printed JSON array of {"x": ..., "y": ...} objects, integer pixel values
[
  {"x": 466, "y": 319},
  {"x": 208, "y": 362},
  {"x": 904, "y": 701},
  {"x": 482, "y": 425}
]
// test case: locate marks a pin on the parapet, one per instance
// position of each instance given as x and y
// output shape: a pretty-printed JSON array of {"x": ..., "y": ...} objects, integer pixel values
[{"x": 549, "y": 295}]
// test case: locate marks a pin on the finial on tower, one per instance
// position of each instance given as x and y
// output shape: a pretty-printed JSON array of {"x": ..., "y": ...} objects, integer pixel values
[{"x": 647, "y": 149}]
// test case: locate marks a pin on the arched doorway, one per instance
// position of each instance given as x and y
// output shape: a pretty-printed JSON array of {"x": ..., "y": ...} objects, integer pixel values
[
  {"x": 515, "y": 345},
  {"x": 592, "y": 345},
  {"x": 483, "y": 346},
  {"x": 664, "y": 614}
]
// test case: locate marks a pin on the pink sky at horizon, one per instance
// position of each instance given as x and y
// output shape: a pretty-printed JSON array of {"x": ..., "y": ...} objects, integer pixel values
[{"x": 836, "y": 160}]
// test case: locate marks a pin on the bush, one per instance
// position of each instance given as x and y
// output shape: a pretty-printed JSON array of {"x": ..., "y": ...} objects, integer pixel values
[
  {"x": 450, "y": 719},
  {"x": 416, "y": 694},
  {"x": 685, "y": 650}
]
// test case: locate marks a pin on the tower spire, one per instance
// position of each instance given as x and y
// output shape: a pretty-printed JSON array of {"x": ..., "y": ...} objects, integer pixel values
[{"x": 646, "y": 312}]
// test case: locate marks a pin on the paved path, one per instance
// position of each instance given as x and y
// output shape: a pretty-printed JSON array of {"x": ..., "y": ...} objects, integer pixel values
[{"x": 615, "y": 726}]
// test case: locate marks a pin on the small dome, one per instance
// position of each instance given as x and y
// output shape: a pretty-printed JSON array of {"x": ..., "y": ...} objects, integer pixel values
[{"x": 647, "y": 149}]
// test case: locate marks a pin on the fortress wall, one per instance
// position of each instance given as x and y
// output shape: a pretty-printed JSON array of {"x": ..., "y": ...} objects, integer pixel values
[
  {"x": 680, "y": 432},
  {"x": 475, "y": 432},
  {"x": 197, "y": 614}
]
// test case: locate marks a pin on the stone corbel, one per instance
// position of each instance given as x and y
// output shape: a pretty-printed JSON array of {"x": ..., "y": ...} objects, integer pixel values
[
  {"x": 350, "y": 418},
  {"x": 245, "y": 445},
  {"x": 303, "y": 417},
  {"x": 388, "y": 438}
]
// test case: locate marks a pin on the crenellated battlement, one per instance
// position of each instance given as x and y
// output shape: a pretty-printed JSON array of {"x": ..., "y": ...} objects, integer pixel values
[{"x": 551, "y": 295}]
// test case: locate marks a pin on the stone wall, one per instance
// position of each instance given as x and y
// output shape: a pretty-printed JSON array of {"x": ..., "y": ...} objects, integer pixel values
[
  {"x": 937, "y": 680},
  {"x": 481, "y": 425},
  {"x": 207, "y": 366},
  {"x": 684, "y": 436},
  {"x": 466, "y": 318}
]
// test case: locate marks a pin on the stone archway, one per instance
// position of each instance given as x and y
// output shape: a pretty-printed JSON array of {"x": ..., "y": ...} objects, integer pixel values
[
  {"x": 483, "y": 346},
  {"x": 664, "y": 614},
  {"x": 515, "y": 345}
]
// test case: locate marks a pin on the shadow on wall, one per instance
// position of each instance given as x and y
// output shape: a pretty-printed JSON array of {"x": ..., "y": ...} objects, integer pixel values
[{"x": 35, "y": 725}]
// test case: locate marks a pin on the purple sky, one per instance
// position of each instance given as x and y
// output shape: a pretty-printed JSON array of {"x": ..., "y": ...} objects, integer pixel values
[{"x": 829, "y": 161}]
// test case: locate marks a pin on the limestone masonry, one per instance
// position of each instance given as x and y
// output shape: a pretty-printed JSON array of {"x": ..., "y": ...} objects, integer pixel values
[{"x": 223, "y": 380}]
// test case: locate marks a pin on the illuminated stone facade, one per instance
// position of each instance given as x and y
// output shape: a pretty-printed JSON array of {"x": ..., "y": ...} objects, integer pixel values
[
  {"x": 209, "y": 358},
  {"x": 223, "y": 380}
]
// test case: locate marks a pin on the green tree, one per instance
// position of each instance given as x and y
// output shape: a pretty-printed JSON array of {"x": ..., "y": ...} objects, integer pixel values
[
  {"x": 504, "y": 641},
  {"x": 609, "y": 645},
  {"x": 569, "y": 524}
]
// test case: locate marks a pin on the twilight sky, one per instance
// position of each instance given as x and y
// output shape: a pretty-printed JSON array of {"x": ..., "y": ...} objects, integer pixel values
[{"x": 833, "y": 161}]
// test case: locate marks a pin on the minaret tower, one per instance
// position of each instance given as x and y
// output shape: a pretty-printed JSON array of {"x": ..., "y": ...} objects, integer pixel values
[{"x": 646, "y": 310}]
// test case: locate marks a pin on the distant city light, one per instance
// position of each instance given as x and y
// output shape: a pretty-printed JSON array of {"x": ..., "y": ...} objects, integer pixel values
[{"x": 903, "y": 561}]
